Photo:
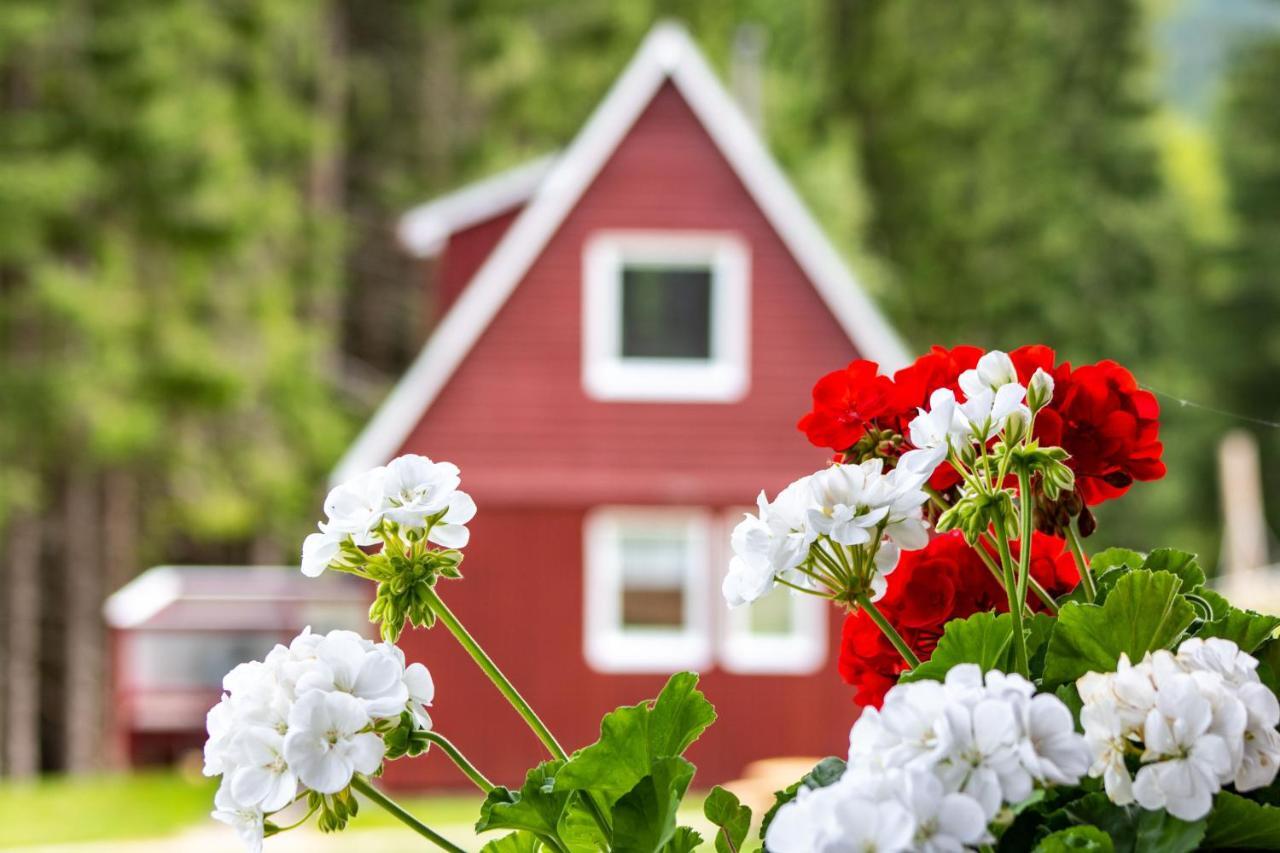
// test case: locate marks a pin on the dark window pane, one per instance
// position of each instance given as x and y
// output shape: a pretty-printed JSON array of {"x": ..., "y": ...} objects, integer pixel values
[
  {"x": 655, "y": 566},
  {"x": 666, "y": 312}
]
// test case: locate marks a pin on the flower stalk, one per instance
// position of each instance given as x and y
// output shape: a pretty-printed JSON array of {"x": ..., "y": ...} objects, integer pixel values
[
  {"x": 864, "y": 601},
  {"x": 1082, "y": 565},
  {"x": 1020, "y": 660},
  {"x": 460, "y": 760},
  {"x": 359, "y": 783}
]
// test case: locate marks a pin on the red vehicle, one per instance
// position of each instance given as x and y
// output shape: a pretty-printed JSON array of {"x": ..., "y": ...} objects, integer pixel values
[{"x": 630, "y": 331}]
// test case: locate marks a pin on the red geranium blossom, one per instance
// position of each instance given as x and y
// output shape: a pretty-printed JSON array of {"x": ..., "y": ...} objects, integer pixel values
[
  {"x": 845, "y": 403},
  {"x": 944, "y": 581}
]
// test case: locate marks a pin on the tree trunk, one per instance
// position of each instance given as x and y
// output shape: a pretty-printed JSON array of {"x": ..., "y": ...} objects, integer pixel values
[
  {"x": 22, "y": 680},
  {"x": 120, "y": 554},
  {"x": 84, "y": 632}
]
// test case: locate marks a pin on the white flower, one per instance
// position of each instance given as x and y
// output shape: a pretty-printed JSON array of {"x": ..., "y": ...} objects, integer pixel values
[
  {"x": 946, "y": 821},
  {"x": 1108, "y": 737},
  {"x": 982, "y": 756},
  {"x": 220, "y": 724},
  {"x": 451, "y": 530},
  {"x": 319, "y": 550},
  {"x": 837, "y": 818},
  {"x": 355, "y": 507},
  {"x": 933, "y": 433},
  {"x": 842, "y": 511},
  {"x": 246, "y": 820},
  {"x": 1260, "y": 757},
  {"x": 416, "y": 488},
  {"x": 985, "y": 413},
  {"x": 994, "y": 370},
  {"x": 263, "y": 777},
  {"x": 422, "y": 692},
  {"x": 327, "y": 742},
  {"x": 1039, "y": 390},
  {"x": 1051, "y": 750},
  {"x": 348, "y": 663},
  {"x": 1192, "y": 763},
  {"x": 1221, "y": 656}
]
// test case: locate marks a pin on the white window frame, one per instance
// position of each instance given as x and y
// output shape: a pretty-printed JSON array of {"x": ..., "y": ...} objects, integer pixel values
[
  {"x": 607, "y": 644},
  {"x": 802, "y": 652},
  {"x": 607, "y": 375}
]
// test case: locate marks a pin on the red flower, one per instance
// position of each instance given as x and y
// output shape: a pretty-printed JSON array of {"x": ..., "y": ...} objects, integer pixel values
[
  {"x": 938, "y": 368},
  {"x": 1110, "y": 427},
  {"x": 944, "y": 581},
  {"x": 845, "y": 403}
]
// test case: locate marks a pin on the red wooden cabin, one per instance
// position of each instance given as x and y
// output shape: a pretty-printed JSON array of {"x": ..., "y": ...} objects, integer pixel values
[{"x": 632, "y": 330}]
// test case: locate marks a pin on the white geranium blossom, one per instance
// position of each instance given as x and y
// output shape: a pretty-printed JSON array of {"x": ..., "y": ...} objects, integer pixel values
[
  {"x": 303, "y": 716},
  {"x": 842, "y": 509},
  {"x": 941, "y": 760},
  {"x": 319, "y": 550},
  {"x": 263, "y": 778},
  {"x": 328, "y": 741},
  {"x": 355, "y": 508},
  {"x": 994, "y": 371},
  {"x": 985, "y": 413},
  {"x": 415, "y": 488},
  {"x": 1197, "y": 720},
  {"x": 933, "y": 433},
  {"x": 247, "y": 821}
]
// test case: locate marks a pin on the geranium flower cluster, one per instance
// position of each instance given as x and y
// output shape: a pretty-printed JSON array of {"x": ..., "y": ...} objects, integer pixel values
[
  {"x": 1195, "y": 721},
  {"x": 933, "y": 768},
  {"x": 412, "y": 493},
  {"x": 945, "y": 580},
  {"x": 1097, "y": 413},
  {"x": 307, "y": 718},
  {"x": 837, "y": 532}
]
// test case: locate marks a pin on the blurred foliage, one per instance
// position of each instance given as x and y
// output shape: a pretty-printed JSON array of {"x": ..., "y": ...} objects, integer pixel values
[{"x": 196, "y": 200}]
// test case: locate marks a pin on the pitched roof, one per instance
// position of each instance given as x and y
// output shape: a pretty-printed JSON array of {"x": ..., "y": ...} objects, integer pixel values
[
  {"x": 425, "y": 229},
  {"x": 667, "y": 54}
]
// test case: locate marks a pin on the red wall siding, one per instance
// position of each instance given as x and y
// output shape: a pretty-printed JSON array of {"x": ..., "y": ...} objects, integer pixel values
[
  {"x": 463, "y": 255},
  {"x": 535, "y": 452}
]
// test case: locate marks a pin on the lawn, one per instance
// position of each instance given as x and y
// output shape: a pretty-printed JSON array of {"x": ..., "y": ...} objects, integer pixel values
[{"x": 146, "y": 805}]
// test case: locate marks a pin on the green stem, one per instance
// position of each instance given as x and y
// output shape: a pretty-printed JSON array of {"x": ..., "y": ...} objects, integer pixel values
[
  {"x": 460, "y": 760},
  {"x": 362, "y": 785},
  {"x": 1020, "y": 664},
  {"x": 1026, "y": 535},
  {"x": 1040, "y": 591},
  {"x": 889, "y": 631},
  {"x": 509, "y": 692},
  {"x": 500, "y": 681},
  {"x": 1086, "y": 576}
]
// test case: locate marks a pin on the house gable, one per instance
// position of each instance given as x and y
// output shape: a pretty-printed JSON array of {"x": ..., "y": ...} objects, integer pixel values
[{"x": 669, "y": 89}]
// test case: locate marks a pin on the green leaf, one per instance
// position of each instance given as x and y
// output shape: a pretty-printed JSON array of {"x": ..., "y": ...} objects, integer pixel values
[
  {"x": 1088, "y": 838},
  {"x": 1236, "y": 822},
  {"x": 826, "y": 772},
  {"x": 1246, "y": 629},
  {"x": 1180, "y": 563},
  {"x": 634, "y": 738},
  {"x": 686, "y": 840},
  {"x": 578, "y": 830},
  {"x": 516, "y": 842},
  {"x": 536, "y": 807},
  {"x": 1132, "y": 829},
  {"x": 1144, "y": 612},
  {"x": 983, "y": 638},
  {"x": 1113, "y": 558},
  {"x": 724, "y": 810},
  {"x": 644, "y": 818}
]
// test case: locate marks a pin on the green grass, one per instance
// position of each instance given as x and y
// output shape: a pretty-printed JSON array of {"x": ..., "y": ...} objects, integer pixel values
[{"x": 57, "y": 810}]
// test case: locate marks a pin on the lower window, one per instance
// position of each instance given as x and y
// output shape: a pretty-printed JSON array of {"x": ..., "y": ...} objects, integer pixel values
[{"x": 647, "y": 578}]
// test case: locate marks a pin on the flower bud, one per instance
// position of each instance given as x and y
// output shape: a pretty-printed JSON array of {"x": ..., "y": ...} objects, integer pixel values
[{"x": 1039, "y": 390}]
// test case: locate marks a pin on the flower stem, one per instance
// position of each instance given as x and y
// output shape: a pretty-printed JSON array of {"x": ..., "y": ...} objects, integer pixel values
[
  {"x": 1086, "y": 576},
  {"x": 509, "y": 692},
  {"x": 1026, "y": 535},
  {"x": 889, "y": 631},
  {"x": 500, "y": 681},
  {"x": 1041, "y": 593},
  {"x": 1020, "y": 664},
  {"x": 362, "y": 785},
  {"x": 460, "y": 760}
]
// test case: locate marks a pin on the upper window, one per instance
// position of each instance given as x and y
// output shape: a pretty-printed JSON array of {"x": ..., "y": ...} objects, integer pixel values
[
  {"x": 665, "y": 317},
  {"x": 646, "y": 589}
]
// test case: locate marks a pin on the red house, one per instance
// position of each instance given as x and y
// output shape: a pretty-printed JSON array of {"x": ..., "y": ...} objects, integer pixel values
[{"x": 632, "y": 329}]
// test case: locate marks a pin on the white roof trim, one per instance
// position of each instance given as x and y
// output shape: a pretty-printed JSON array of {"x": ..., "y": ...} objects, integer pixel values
[
  {"x": 425, "y": 229},
  {"x": 667, "y": 53}
]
